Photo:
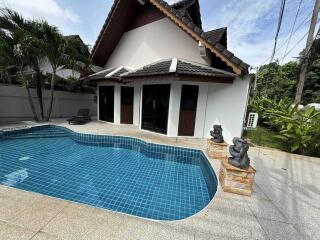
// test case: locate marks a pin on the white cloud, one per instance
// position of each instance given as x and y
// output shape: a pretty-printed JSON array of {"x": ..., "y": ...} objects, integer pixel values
[
  {"x": 260, "y": 52},
  {"x": 243, "y": 19},
  {"x": 72, "y": 16},
  {"x": 48, "y": 10},
  {"x": 252, "y": 25}
]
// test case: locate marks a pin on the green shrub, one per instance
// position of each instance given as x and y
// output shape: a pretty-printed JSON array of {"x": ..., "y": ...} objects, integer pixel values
[
  {"x": 262, "y": 105},
  {"x": 299, "y": 128}
]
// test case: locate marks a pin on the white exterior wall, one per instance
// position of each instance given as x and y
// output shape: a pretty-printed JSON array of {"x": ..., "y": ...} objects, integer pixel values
[
  {"x": 14, "y": 104},
  {"x": 217, "y": 103},
  {"x": 174, "y": 109},
  {"x": 136, "y": 103},
  {"x": 161, "y": 39},
  {"x": 227, "y": 105},
  {"x": 201, "y": 110},
  {"x": 117, "y": 103}
]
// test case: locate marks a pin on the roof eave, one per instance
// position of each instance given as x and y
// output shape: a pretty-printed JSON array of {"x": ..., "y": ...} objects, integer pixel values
[
  {"x": 182, "y": 77},
  {"x": 103, "y": 29},
  {"x": 198, "y": 35}
]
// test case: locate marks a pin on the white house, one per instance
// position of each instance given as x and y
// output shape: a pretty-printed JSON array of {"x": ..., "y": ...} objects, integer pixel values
[{"x": 163, "y": 73}]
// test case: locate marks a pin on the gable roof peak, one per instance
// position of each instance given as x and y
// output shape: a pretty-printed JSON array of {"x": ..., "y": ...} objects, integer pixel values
[
  {"x": 121, "y": 12},
  {"x": 189, "y": 9},
  {"x": 218, "y": 35},
  {"x": 182, "y": 3}
]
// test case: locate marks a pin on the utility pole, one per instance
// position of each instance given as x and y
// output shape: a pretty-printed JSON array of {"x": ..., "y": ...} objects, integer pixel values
[{"x": 306, "y": 53}]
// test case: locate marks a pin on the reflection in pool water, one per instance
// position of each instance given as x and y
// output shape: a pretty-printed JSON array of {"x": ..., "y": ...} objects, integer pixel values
[{"x": 16, "y": 177}]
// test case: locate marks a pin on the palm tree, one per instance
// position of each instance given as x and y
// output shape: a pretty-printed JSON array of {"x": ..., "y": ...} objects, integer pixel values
[
  {"x": 62, "y": 53},
  {"x": 35, "y": 41},
  {"x": 14, "y": 25},
  {"x": 17, "y": 48}
]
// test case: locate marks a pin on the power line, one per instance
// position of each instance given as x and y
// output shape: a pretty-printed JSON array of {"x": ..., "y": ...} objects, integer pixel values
[
  {"x": 295, "y": 45},
  {"x": 306, "y": 20},
  {"x": 283, "y": 3},
  {"x": 294, "y": 24},
  {"x": 302, "y": 38}
]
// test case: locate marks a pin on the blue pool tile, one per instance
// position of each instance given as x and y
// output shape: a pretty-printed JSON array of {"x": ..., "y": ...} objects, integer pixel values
[{"x": 112, "y": 172}]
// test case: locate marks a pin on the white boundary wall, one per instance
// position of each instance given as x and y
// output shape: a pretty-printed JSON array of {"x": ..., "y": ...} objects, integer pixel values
[{"x": 14, "y": 104}]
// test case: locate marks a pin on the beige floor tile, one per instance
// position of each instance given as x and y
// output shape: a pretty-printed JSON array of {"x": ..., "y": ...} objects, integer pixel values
[
  {"x": 225, "y": 218},
  {"x": 10, "y": 231},
  {"x": 37, "y": 215},
  {"x": 279, "y": 230},
  {"x": 45, "y": 236},
  {"x": 84, "y": 222},
  {"x": 146, "y": 229},
  {"x": 13, "y": 202}
]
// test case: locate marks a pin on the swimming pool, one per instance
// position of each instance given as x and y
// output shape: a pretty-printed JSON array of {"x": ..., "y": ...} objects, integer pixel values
[{"x": 118, "y": 173}]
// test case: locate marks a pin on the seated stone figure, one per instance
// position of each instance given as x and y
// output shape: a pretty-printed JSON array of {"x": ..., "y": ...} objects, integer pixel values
[
  {"x": 239, "y": 156},
  {"x": 217, "y": 134}
]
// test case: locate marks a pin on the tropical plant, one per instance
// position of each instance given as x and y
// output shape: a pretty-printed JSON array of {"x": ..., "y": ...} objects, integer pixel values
[
  {"x": 263, "y": 105},
  {"x": 26, "y": 44},
  {"x": 17, "y": 47},
  {"x": 300, "y": 128},
  {"x": 62, "y": 53},
  {"x": 25, "y": 49}
]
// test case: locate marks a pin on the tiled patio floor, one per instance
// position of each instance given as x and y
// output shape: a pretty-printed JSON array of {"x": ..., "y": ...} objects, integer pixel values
[{"x": 284, "y": 205}]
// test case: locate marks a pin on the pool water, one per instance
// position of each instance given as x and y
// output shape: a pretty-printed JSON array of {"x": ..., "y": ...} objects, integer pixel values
[{"x": 116, "y": 173}]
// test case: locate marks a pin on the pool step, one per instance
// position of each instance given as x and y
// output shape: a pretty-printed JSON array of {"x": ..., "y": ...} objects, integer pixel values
[{"x": 39, "y": 134}]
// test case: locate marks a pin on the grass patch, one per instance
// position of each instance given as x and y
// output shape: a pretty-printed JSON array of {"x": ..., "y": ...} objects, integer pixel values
[{"x": 264, "y": 137}]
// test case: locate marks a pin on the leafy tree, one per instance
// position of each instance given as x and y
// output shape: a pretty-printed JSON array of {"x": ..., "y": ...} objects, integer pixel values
[
  {"x": 25, "y": 44},
  {"x": 277, "y": 81},
  {"x": 23, "y": 31},
  {"x": 17, "y": 47},
  {"x": 62, "y": 53}
]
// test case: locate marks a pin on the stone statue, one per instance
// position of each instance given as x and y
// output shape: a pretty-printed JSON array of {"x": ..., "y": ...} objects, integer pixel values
[
  {"x": 217, "y": 134},
  {"x": 239, "y": 156}
]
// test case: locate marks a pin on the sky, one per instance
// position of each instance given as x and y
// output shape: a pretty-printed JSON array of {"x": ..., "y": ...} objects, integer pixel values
[{"x": 251, "y": 23}]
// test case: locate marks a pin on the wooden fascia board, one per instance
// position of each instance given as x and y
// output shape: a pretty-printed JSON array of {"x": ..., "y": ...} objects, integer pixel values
[
  {"x": 198, "y": 38},
  {"x": 179, "y": 77},
  {"x": 104, "y": 31},
  {"x": 98, "y": 80}
]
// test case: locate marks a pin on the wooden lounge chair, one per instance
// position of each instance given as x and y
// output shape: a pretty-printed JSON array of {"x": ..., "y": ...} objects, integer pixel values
[{"x": 81, "y": 118}]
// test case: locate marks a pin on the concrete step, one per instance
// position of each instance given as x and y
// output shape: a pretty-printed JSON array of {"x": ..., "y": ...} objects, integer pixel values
[{"x": 38, "y": 134}]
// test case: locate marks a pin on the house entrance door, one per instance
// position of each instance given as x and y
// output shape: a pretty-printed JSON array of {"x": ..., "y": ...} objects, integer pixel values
[
  {"x": 127, "y": 105},
  {"x": 188, "y": 110},
  {"x": 106, "y": 103},
  {"x": 155, "y": 107}
]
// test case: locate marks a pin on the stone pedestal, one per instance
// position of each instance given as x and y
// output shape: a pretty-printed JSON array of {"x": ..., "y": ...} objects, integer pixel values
[
  {"x": 236, "y": 180},
  {"x": 217, "y": 150}
]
